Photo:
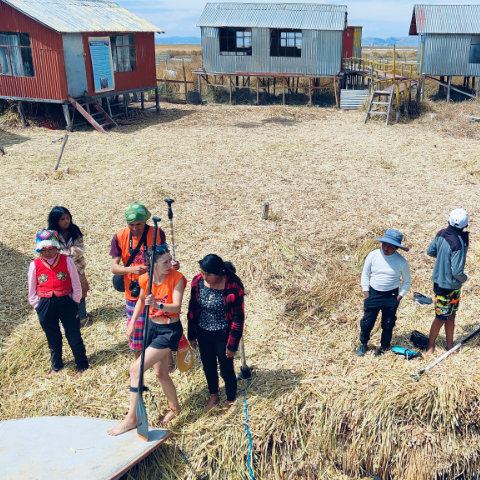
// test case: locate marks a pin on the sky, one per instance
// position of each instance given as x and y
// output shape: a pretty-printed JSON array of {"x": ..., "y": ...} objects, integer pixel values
[{"x": 379, "y": 18}]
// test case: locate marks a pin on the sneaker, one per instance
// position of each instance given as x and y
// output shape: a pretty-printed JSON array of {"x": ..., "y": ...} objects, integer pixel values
[
  {"x": 361, "y": 350},
  {"x": 380, "y": 351}
]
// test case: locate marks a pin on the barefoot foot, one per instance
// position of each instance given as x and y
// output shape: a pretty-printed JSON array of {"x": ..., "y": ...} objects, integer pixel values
[
  {"x": 170, "y": 415},
  {"x": 122, "y": 427},
  {"x": 212, "y": 402}
]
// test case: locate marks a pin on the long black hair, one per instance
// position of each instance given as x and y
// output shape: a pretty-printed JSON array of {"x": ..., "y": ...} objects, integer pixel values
[
  {"x": 212, "y": 263},
  {"x": 54, "y": 217}
]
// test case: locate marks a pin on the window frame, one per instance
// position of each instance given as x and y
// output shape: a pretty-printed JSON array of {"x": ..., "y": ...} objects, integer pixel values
[
  {"x": 25, "y": 52},
  {"x": 286, "y": 43},
  {"x": 474, "y": 52},
  {"x": 116, "y": 48},
  {"x": 228, "y": 40}
]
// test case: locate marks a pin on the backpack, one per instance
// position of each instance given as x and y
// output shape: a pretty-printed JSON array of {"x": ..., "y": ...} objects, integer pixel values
[{"x": 419, "y": 340}]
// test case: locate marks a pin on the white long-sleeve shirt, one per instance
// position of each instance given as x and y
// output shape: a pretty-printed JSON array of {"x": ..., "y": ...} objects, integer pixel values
[
  {"x": 34, "y": 299},
  {"x": 386, "y": 272}
]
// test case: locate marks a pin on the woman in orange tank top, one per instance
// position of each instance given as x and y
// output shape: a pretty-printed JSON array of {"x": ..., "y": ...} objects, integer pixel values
[{"x": 164, "y": 333}]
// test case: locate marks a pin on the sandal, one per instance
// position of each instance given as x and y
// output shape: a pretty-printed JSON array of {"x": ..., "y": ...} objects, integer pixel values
[{"x": 170, "y": 415}]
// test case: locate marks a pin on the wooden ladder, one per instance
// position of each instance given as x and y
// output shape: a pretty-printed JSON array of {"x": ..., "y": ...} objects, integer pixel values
[
  {"x": 377, "y": 101},
  {"x": 94, "y": 114}
]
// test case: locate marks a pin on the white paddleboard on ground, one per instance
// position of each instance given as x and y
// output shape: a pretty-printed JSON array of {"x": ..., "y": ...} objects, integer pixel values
[{"x": 59, "y": 448}]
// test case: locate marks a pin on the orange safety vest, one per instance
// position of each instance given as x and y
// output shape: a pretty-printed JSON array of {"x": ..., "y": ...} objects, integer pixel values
[
  {"x": 123, "y": 239},
  {"x": 53, "y": 279},
  {"x": 163, "y": 292}
]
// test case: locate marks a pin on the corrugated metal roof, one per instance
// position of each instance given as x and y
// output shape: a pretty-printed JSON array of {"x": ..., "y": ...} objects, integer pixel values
[
  {"x": 73, "y": 16},
  {"x": 305, "y": 16},
  {"x": 460, "y": 19}
]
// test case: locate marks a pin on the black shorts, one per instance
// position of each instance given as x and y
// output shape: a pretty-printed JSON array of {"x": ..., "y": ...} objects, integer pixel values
[{"x": 162, "y": 336}]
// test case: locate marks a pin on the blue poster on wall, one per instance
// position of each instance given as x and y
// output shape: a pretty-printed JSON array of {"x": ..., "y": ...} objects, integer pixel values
[{"x": 102, "y": 64}]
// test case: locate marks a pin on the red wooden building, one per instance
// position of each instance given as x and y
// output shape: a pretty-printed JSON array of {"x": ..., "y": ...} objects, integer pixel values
[{"x": 87, "y": 55}]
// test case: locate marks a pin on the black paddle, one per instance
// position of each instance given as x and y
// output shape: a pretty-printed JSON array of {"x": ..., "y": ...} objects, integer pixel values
[
  {"x": 169, "y": 202},
  {"x": 142, "y": 419}
]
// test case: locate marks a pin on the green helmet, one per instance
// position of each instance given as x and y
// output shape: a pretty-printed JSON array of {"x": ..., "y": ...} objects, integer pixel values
[{"x": 137, "y": 212}]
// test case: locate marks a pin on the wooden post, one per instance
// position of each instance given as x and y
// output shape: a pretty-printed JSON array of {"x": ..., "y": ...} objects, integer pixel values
[
  {"x": 337, "y": 94},
  {"x": 477, "y": 87},
  {"x": 283, "y": 91},
  {"x": 142, "y": 100},
  {"x": 22, "y": 114},
  {"x": 199, "y": 79},
  {"x": 65, "y": 138},
  {"x": 157, "y": 100},
  {"x": 230, "y": 89},
  {"x": 394, "y": 62},
  {"x": 310, "y": 91},
  {"x": 449, "y": 88},
  {"x": 68, "y": 118},
  {"x": 265, "y": 211},
  {"x": 258, "y": 91},
  {"x": 185, "y": 88}
]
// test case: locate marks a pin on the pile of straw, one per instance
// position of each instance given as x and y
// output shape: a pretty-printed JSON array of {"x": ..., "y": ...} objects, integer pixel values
[{"x": 333, "y": 184}]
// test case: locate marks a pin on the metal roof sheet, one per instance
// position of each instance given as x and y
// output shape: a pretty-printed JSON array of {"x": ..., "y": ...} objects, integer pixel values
[
  {"x": 73, "y": 16},
  {"x": 306, "y": 16},
  {"x": 459, "y": 19}
]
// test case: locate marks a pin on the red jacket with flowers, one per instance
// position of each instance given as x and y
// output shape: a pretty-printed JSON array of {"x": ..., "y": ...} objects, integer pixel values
[{"x": 234, "y": 311}]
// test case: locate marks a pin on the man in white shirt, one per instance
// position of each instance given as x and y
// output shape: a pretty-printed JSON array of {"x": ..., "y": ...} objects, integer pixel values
[{"x": 385, "y": 281}]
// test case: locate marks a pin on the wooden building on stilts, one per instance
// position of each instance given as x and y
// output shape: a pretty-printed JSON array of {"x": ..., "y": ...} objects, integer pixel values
[
  {"x": 92, "y": 57},
  {"x": 449, "y": 47},
  {"x": 274, "y": 48}
]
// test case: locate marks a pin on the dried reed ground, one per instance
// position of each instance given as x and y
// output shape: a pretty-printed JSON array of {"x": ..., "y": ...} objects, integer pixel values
[{"x": 316, "y": 410}]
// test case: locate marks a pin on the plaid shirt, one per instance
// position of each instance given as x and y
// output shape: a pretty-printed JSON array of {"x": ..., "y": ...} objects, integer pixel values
[{"x": 234, "y": 311}]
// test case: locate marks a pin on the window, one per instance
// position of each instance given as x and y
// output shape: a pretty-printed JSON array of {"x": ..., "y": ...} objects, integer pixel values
[
  {"x": 16, "y": 55},
  {"x": 123, "y": 53},
  {"x": 235, "y": 41},
  {"x": 474, "y": 50},
  {"x": 286, "y": 43}
]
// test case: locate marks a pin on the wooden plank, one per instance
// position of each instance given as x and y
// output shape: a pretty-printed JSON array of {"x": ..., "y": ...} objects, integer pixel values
[
  {"x": 86, "y": 115},
  {"x": 451, "y": 87}
]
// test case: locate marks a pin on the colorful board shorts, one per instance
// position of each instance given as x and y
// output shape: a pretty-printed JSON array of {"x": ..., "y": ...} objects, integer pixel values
[
  {"x": 446, "y": 302},
  {"x": 136, "y": 340}
]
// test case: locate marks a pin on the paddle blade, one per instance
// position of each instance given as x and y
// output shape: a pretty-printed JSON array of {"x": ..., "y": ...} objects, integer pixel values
[{"x": 142, "y": 419}]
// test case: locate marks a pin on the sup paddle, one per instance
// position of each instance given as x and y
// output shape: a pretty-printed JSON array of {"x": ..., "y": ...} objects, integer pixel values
[
  {"x": 245, "y": 370},
  {"x": 141, "y": 411},
  {"x": 441, "y": 358},
  {"x": 185, "y": 354}
]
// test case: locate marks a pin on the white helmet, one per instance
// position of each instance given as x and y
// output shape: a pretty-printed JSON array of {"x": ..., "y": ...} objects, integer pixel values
[{"x": 458, "y": 218}]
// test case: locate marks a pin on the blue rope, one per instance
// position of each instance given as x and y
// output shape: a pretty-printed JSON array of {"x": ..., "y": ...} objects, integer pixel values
[{"x": 249, "y": 434}]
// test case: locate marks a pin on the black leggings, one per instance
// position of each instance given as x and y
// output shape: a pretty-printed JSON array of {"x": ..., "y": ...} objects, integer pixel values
[{"x": 212, "y": 346}]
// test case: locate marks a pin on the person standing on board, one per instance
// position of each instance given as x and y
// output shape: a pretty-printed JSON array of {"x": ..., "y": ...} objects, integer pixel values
[
  {"x": 385, "y": 281},
  {"x": 449, "y": 248}
]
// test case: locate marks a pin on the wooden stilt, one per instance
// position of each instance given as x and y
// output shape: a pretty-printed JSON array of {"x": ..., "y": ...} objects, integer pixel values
[
  {"x": 258, "y": 91},
  {"x": 283, "y": 91},
  {"x": 22, "y": 114},
  {"x": 477, "y": 87},
  {"x": 68, "y": 118},
  {"x": 310, "y": 102},
  {"x": 337, "y": 96},
  {"x": 230, "y": 89},
  {"x": 109, "y": 107},
  {"x": 142, "y": 100},
  {"x": 449, "y": 88},
  {"x": 157, "y": 100}
]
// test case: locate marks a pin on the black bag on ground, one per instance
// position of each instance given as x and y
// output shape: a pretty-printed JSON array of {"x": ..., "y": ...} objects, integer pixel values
[
  {"x": 419, "y": 340},
  {"x": 118, "y": 281}
]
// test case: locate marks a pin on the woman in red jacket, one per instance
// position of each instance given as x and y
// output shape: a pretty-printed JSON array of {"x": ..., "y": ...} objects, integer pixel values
[{"x": 215, "y": 323}]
